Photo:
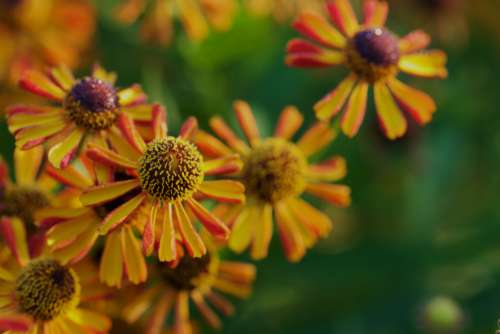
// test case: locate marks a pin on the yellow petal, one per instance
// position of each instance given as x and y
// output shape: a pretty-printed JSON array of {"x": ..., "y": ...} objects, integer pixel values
[
  {"x": 390, "y": 117},
  {"x": 27, "y": 165},
  {"x": 355, "y": 110},
  {"x": 120, "y": 214},
  {"x": 135, "y": 263},
  {"x": 111, "y": 268},
  {"x": 263, "y": 232},
  {"x": 425, "y": 64},
  {"x": 106, "y": 192},
  {"x": 61, "y": 154}
]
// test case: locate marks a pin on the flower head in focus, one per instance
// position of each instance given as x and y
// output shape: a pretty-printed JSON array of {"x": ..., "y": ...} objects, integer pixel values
[
  {"x": 197, "y": 16},
  {"x": 374, "y": 55},
  {"x": 86, "y": 110},
  {"x": 276, "y": 172},
  {"x": 40, "y": 295}
]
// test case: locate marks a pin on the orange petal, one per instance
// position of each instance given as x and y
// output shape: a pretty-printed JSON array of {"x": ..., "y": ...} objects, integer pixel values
[
  {"x": 291, "y": 238},
  {"x": 107, "y": 192},
  {"x": 130, "y": 133},
  {"x": 414, "y": 41},
  {"x": 331, "y": 104},
  {"x": 213, "y": 225},
  {"x": 189, "y": 128},
  {"x": 39, "y": 84},
  {"x": 224, "y": 190},
  {"x": 108, "y": 157},
  {"x": 168, "y": 249},
  {"x": 190, "y": 236},
  {"x": 63, "y": 76},
  {"x": 71, "y": 177},
  {"x": 181, "y": 322},
  {"x": 224, "y": 131},
  {"x": 120, "y": 214},
  {"x": 429, "y": 64},
  {"x": 318, "y": 29},
  {"x": 141, "y": 113},
  {"x": 27, "y": 138},
  {"x": 316, "y": 138},
  {"x": 375, "y": 13},
  {"x": 343, "y": 15},
  {"x": 289, "y": 123},
  {"x": 15, "y": 323},
  {"x": 14, "y": 234},
  {"x": 355, "y": 110},
  {"x": 263, "y": 233},
  {"x": 159, "y": 123},
  {"x": 332, "y": 169},
  {"x": 210, "y": 146},
  {"x": 208, "y": 314},
  {"x": 301, "y": 53},
  {"x": 135, "y": 264},
  {"x": 247, "y": 121},
  {"x": 316, "y": 221},
  {"x": 391, "y": 119},
  {"x": 24, "y": 116},
  {"x": 335, "y": 194},
  {"x": 132, "y": 95},
  {"x": 229, "y": 164},
  {"x": 111, "y": 268},
  {"x": 149, "y": 234},
  {"x": 61, "y": 154}
]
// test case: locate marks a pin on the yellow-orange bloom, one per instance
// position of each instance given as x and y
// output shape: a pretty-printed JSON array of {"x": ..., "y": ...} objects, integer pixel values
[
  {"x": 374, "y": 56},
  {"x": 282, "y": 10},
  {"x": 276, "y": 172},
  {"x": 197, "y": 16}
]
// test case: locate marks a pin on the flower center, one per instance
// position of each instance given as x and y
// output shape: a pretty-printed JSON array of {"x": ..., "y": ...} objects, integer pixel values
[
  {"x": 92, "y": 104},
  {"x": 373, "y": 54},
  {"x": 22, "y": 202},
  {"x": 45, "y": 289},
  {"x": 274, "y": 170},
  {"x": 184, "y": 275},
  {"x": 171, "y": 169}
]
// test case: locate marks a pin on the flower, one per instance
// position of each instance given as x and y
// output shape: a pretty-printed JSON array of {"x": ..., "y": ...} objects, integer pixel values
[
  {"x": 164, "y": 178},
  {"x": 196, "y": 16},
  {"x": 276, "y": 173},
  {"x": 374, "y": 55},
  {"x": 40, "y": 295},
  {"x": 201, "y": 280},
  {"x": 35, "y": 33},
  {"x": 282, "y": 10},
  {"x": 88, "y": 110}
]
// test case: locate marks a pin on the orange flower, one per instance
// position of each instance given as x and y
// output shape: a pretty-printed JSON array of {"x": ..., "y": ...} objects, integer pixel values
[
  {"x": 87, "y": 112},
  {"x": 282, "y": 10},
  {"x": 276, "y": 173},
  {"x": 196, "y": 16},
  {"x": 374, "y": 56}
]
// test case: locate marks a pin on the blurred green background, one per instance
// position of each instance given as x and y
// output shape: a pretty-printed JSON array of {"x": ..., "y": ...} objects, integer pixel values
[{"x": 425, "y": 217}]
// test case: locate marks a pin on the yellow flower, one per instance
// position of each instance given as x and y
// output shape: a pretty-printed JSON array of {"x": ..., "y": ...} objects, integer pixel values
[
  {"x": 282, "y": 10},
  {"x": 40, "y": 295},
  {"x": 88, "y": 111},
  {"x": 196, "y": 16},
  {"x": 374, "y": 56},
  {"x": 202, "y": 280},
  {"x": 276, "y": 173}
]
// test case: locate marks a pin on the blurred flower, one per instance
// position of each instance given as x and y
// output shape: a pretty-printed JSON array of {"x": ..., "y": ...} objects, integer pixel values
[
  {"x": 275, "y": 173},
  {"x": 88, "y": 110},
  {"x": 165, "y": 178},
  {"x": 442, "y": 315},
  {"x": 40, "y": 295},
  {"x": 200, "y": 280},
  {"x": 283, "y": 10},
  {"x": 374, "y": 55},
  {"x": 196, "y": 15},
  {"x": 35, "y": 33}
]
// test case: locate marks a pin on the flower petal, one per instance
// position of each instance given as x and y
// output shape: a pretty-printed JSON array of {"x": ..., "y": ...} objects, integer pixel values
[
  {"x": 224, "y": 131},
  {"x": 27, "y": 165},
  {"x": 210, "y": 146},
  {"x": 14, "y": 234},
  {"x": 159, "y": 122},
  {"x": 140, "y": 112},
  {"x": 111, "y": 268},
  {"x": 247, "y": 121},
  {"x": 355, "y": 110},
  {"x": 213, "y": 225},
  {"x": 189, "y": 128},
  {"x": 207, "y": 313},
  {"x": 39, "y": 84},
  {"x": 244, "y": 229},
  {"x": 429, "y": 64},
  {"x": 224, "y": 165},
  {"x": 224, "y": 190},
  {"x": 342, "y": 14},
  {"x": 48, "y": 217},
  {"x": 291, "y": 238},
  {"x": 263, "y": 232},
  {"x": 131, "y": 96},
  {"x": 332, "y": 103},
  {"x": 61, "y": 154},
  {"x": 15, "y": 323},
  {"x": 108, "y": 157},
  {"x": 90, "y": 319},
  {"x": 301, "y": 53},
  {"x": 314, "y": 220},
  {"x": 418, "y": 104},
  {"x": 289, "y": 123},
  {"x": 79, "y": 248},
  {"x": 63, "y": 76},
  {"x": 120, "y": 214},
  {"x": 316, "y": 138},
  {"x": 320, "y": 30},
  {"x": 190, "y": 237},
  {"x": 27, "y": 138},
  {"x": 336, "y": 194},
  {"x": 71, "y": 177},
  {"x": 391, "y": 118},
  {"x": 100, "y": 73},
  {"x": 130, "y": 133},
  {"x": 106, "y": 192},
  {"x": 135, "y": 264},
  {"x": 24, "y": 116},
  {"x": 168, "y": 249},
  {"x": 332, "y": 169},
  {"x": 375, "y": 12},
  {"x": 414, "y": 41},
  {"x": 181, "y": 317},
  {"x": 149, "y": 234}
]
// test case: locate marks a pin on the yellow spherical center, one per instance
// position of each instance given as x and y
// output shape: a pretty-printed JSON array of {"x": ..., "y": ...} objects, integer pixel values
[
  {"x": 185, "y": 276},
  {"x": 92, "y": 104},
  {"x": 22, "y": 202},
  {"x": 274, "y": 170},
  {"x": 45, "y": 288},
  {"x": 171, "y": 169},
  {"x": 373, "y": 54}
]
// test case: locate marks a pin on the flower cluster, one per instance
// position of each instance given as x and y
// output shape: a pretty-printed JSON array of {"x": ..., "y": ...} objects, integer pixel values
[{"x": 113, "y": 216}]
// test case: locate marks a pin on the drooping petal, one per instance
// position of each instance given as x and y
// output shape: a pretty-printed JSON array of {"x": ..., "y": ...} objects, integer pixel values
[
  {"x": 429, "y": 64},
  {"x": 225, "y": 165},
  {"x": 291, "y": 238},
  {"x": 168, "y": 249},
  {"x": 61, "y": 154},
  {"x": 301, "y": 53},
  {"x": 247, "y": 121},
  {"x": 27, "y": 165},
  {"x": 181, "y": 316},
  {"x": 320, "y": 30},
  {"x": 108, "y": 157},
  {"x": 130, "y": 133},
  {"x": 244, "y": 229},
  {"x": 149, "y": 234},
  {"x": 14, "y": 235},
  {"x": 417, "y": 103},
  {"x": 213, "y": 225},
  {"x": 39, "y": 84},
  {"x": 222, "y": 130},
  {"x": 316, "y": 138},
  {"x": 131, "y": 96},
  {"x": 414, "y": 41},
  {"x": 342, "y": 14},
  {"x": 330, "y": 170},
  {"x": 391, "y": 118},
  {"x": 224, "y": 190},
  {"x": 210, "y": 146},
  {"x": 332, "y": 103},
  {"x": 289, "y": 123},
  {"x": 355, "y": 110},
  {"x": 135, "y": 264},
  {"x": 221, "y": 303},
  {"x": 191, "y": 239},
  {"x": 120, "y": 214},
  {"x": 160, "y": 312},
  {"x": 189, "y": 128},
  {"x": 263, "y": 232},
  {"x": 111, "y": 268},
  {"x": 208, "y": 314},
  {"x": 375, "y": 12},
  {"x": 336, "y": 194},
  {"x": 107, "y": 192}
]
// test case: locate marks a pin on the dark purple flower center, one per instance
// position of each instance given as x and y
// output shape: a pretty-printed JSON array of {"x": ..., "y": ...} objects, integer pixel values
[
  {"x": 377, "y": 46},
  {"x": 95, "y": 95}
]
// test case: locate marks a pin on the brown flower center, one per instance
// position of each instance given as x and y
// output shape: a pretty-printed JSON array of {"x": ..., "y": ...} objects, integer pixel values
[
  {"x": 22, "y": 202},
  {"x": 183, "y": 276}
]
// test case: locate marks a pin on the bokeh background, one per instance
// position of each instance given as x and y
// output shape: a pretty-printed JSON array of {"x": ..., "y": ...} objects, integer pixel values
[{"x": 425, "y": 217}]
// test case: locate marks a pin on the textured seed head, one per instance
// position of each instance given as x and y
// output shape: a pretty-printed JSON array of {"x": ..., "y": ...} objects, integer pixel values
[
  {"x": 373, "y": 54},
  {"x": 45, "y": 289},
  {"x": 184, "y": 275},
  {"x": 171, "y": 169},
  {"x": 92, "y": 104},
  {"x": 274, "y": 170},
  {"x": 22, "y": 202}
]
